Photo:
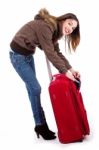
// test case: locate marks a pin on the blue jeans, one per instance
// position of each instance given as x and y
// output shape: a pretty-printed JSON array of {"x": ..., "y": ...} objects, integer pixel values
[{"x": 25, "y": 67}]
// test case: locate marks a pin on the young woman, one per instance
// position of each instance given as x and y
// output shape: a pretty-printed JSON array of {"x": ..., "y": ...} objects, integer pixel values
[{"x": 43, "y": 32}]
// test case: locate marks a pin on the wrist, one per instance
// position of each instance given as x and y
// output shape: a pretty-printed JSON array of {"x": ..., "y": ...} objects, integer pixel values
[{"x": 71, "y": 70}]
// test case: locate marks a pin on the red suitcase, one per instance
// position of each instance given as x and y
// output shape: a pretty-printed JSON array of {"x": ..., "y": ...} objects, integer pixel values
[{"x": 69, "y": 111}]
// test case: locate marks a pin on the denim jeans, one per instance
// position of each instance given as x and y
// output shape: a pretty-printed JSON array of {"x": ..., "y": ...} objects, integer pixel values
[{"x": 25, "y": 67}]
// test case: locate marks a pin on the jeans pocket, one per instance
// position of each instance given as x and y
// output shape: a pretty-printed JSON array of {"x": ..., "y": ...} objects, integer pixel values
[{"x": 12, "y": 57}]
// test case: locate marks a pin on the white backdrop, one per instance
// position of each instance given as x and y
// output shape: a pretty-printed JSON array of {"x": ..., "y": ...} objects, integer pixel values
[{"x": 16, "y": 123}]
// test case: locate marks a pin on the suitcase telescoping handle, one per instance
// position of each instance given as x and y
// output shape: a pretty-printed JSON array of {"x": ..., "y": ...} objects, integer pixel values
[
  {"x": 49, "y": 69},
  {"x": 52, "y": 77}
]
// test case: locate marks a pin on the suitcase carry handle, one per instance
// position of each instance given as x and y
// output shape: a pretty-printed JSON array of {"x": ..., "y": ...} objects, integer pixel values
[{"x": 78, "y": 84}]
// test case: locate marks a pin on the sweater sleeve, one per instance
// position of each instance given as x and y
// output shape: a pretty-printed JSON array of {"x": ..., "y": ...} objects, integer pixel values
[
  {"x": 57, "y": 49},
  {"x": 44, "y": 35}
]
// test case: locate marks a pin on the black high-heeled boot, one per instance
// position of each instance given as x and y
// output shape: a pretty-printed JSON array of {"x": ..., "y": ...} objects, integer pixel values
[{"x": 44, "y": 132}]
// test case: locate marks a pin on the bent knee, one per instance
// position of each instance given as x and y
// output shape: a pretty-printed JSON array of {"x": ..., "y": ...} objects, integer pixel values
[
  {"x": 33, "y": 89},
  {"x": 36, "y": 90}
]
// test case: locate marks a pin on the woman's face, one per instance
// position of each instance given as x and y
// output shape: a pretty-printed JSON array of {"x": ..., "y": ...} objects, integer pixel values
[{"x": 68, "y": 26}]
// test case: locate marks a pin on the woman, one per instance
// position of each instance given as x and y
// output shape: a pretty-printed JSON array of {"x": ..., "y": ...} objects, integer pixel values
[{"x": 43, "y": 32}]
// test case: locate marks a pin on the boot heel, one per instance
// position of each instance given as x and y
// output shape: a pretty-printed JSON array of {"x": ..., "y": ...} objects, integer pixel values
[{"x": 37, "y": 135}]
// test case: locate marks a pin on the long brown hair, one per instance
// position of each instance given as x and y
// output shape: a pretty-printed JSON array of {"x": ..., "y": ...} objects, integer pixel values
[{"x": 72, "y": 39}]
